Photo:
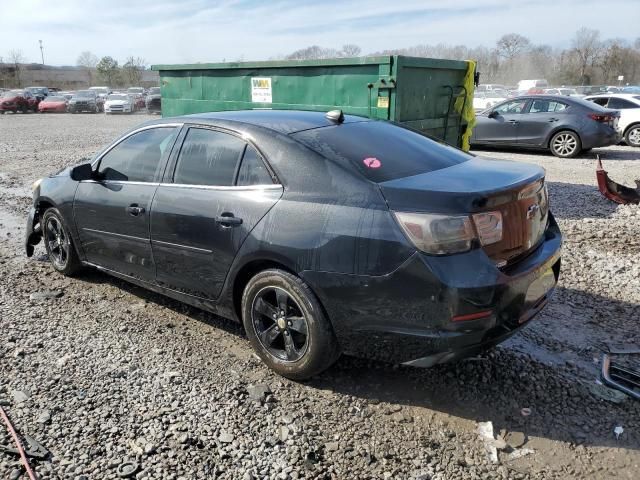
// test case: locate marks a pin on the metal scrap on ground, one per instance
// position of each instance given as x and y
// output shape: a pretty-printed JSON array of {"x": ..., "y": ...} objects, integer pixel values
[{"x": 615, "y": 191}]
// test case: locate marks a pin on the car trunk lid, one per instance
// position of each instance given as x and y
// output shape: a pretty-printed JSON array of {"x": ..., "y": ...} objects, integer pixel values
[{"x": 516, "y": 190}]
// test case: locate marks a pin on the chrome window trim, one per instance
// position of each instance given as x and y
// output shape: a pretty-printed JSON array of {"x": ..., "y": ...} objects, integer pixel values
[
  {"x": 121, "y": 182},
  {"x": 236, "y": 188}
]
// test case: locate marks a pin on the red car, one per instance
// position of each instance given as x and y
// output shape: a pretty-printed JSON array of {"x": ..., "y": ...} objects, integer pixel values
[
  {"x": 18, "y": 100},
  {"x": 56, "y": 104}
]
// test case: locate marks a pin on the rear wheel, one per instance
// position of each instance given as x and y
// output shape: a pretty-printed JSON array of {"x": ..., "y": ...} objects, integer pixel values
[
  {"x": 565, "y": 144},
  {"x": 632, "y": 136},
  {"x": 287, "y": 326},
  {"x": 59, "y": 245}
]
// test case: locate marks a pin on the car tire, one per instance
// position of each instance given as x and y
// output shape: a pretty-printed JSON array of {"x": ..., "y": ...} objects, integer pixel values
[
  {"x": 59, "y": 244},
  {"x": 297, "y": 345},
  {"x": 632, "y": 135},
  {"x": 565, "y": 144}
]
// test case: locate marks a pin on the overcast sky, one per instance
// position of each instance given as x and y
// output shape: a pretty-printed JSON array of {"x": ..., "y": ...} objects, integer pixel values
[{"x": 182, "y": 31}]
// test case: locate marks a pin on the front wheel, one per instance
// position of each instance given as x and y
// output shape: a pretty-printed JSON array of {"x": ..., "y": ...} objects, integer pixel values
[
  {"x": 565, "y": 144},
  {"x": 632, "y": 136},
  {"x": 286, "y": 325},
  {"x": 58, "y": 242}
]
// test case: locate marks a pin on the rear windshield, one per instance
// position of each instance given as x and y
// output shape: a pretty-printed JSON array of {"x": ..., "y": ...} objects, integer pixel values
[{"x": 382, "y": 151}]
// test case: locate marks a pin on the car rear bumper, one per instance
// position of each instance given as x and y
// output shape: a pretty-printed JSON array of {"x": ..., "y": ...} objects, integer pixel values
[
  {"x": 406, "y": 316},
  {"x": 602, "y": 137}
]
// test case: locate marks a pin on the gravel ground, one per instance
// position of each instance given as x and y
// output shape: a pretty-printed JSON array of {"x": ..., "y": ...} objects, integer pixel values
[{"x": 105, "y": 372}]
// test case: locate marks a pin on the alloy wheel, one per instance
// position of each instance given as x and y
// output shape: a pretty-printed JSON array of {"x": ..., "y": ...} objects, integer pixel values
[
  {"x": 634, "y": 136},
  {"x": 57, "y": 242},
  {"x": 280, "y": 325},
  {"x": 565, "y": 144}
]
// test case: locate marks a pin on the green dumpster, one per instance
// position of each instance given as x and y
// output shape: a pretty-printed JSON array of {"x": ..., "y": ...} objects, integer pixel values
[{"x": 431, "y": 95}]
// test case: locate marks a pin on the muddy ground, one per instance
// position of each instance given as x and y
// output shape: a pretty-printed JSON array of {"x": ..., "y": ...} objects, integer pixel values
[{"x": 108, "y": 373}]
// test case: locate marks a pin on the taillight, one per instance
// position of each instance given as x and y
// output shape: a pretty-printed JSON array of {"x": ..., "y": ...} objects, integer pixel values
[
  {"x": 603, "y": 118},
  {"x": 444, "y": 234}
]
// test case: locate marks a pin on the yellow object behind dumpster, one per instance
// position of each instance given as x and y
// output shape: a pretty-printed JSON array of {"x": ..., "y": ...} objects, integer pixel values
[{"x": 468, "y": 115}]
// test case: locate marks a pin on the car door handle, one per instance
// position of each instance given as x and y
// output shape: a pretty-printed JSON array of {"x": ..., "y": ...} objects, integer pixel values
[
  {"x": 228, "y": 220},
  {"x": 551, "y": 120},
  {"x": 134, "y": 210},
  {"x": 514, "y": 122}
]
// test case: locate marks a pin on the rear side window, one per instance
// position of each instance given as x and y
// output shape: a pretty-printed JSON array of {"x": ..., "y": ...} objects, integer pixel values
[
  {"x": 621, "y": 103},
  {"x": 252, "y": 169},
  {"x": 208, "y": 157},
  {"x": 381, "y": 150},
  {"x": 602, "y": 101},
  {"x": 546, "y": 106}
]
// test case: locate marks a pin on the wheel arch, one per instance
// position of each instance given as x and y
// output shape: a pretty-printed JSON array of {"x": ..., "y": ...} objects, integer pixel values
[
  {"x": 558, "y": 130},
  {"x": 630, "y": 126}
]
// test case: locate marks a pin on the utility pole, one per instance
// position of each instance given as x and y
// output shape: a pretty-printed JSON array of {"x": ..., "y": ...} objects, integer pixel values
[{"x": 41, "y": 51}]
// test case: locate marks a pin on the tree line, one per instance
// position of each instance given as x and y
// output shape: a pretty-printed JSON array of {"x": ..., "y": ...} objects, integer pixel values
[
  {"x": 589, "y": 60},
  {"x": 107, "y": 70}
]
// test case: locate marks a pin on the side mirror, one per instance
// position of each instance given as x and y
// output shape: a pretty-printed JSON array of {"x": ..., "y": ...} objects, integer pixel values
[
  {"x": 493, "y": 114},
  {"x": 82, "y": 172}
]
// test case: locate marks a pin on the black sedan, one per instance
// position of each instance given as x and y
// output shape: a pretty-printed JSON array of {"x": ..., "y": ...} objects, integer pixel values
[
  {"x": 564, "y": 125},
  {"x": 321, "y": 234}
]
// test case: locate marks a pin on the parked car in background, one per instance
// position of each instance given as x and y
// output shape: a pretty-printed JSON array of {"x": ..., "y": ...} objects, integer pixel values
[
  {"x": 67, "y": 95},
  {"x": 321, "y": 234},
  {"x": 564, "y": 125},
  {"x": 486, "y": 99},
  {"x": 53, "y": 104},
  {"x": 591, "y": 89},
  {"x": 101, "y": 92},
  {"x": 18, "y": 101},
  {"x": 569, "y": 92},
  {"x": 631, "y": 89},
  {"x": 85, "y": 101},
  {"x": 39, "y": 92},
  {"x": 628, "y": 105},
  {"x": 153, "y": 101},
  {"x": 488, "y": 87},
  {"x": 119, "y": 103},
  {"x": 138, "y": 94},
  {"x": 528, "y": 84}
]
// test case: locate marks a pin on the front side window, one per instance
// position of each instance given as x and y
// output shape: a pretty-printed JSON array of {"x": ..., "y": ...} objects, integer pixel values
[
  {"x": 208, "y": 157},
  {"x": 515, "y": 106},
  {"x": 138, "y": 157},
  {"x": 602, "y": 101},
  {"x": 252, "y": 169}
]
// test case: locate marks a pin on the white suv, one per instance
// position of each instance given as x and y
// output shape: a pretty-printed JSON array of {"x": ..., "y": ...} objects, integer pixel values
[{"x": 628, "y": 104}]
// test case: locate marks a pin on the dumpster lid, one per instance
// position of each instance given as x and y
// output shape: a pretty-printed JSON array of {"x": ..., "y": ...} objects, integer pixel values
[{"x": 386, "y": 59}]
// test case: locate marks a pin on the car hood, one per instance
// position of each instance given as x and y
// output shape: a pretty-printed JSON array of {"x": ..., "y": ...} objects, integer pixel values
[
  {"x": 9, "y": 99},
  {"x": 470, "y": 186}
]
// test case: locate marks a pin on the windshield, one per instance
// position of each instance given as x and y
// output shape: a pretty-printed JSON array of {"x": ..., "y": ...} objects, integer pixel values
[
  {"x": 84, "y": 94},
  {"x": 154, "y": 91},
  {"x": 117, "y": 97},
  {"x": 54, "y": 99},
  {"x": 12, "y": 93},
  {"x": 37, "y": 90},
  {"x": 135, "y": 90},
  {"x": 381, "y": 150}
]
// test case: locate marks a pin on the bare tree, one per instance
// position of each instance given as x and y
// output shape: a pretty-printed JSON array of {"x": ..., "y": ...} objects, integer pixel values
[
  {"x": 314, "y": 52},
  {"x": 587, "y": 47},
  {"x": 350, "y": 50},
  {"x": 132, "y": 70},
  {"x": 511, "y": 45},
  {"x": 17, "y": 59},
  {"x": 88, "y": 61}
]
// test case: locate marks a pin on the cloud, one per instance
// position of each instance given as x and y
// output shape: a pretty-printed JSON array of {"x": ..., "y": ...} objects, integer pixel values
[{"x": 163, "y": 31}]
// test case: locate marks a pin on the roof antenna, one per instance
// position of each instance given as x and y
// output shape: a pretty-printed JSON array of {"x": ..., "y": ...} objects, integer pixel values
[{"x": 336, "y": 116}]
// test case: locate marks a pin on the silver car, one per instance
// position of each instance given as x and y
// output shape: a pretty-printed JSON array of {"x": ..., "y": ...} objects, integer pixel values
[{"x": 564, "y": 125}]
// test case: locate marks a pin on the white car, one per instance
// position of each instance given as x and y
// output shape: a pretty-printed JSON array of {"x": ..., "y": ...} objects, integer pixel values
[
  {"x": 628, "y": 104},
  {"x": 569, "y": 92},
  {"x": 484, "y": 100},
  {"x": 119, "y": 103}
]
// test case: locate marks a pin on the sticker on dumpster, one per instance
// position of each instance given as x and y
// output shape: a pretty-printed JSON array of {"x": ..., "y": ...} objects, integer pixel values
[
  {"x": 261, "y": 90},
  {"x": 383, "y": 102}
]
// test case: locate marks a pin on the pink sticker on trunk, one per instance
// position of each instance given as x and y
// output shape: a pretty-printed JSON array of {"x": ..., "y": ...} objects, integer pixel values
[{"x": 372, "y": 162}]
